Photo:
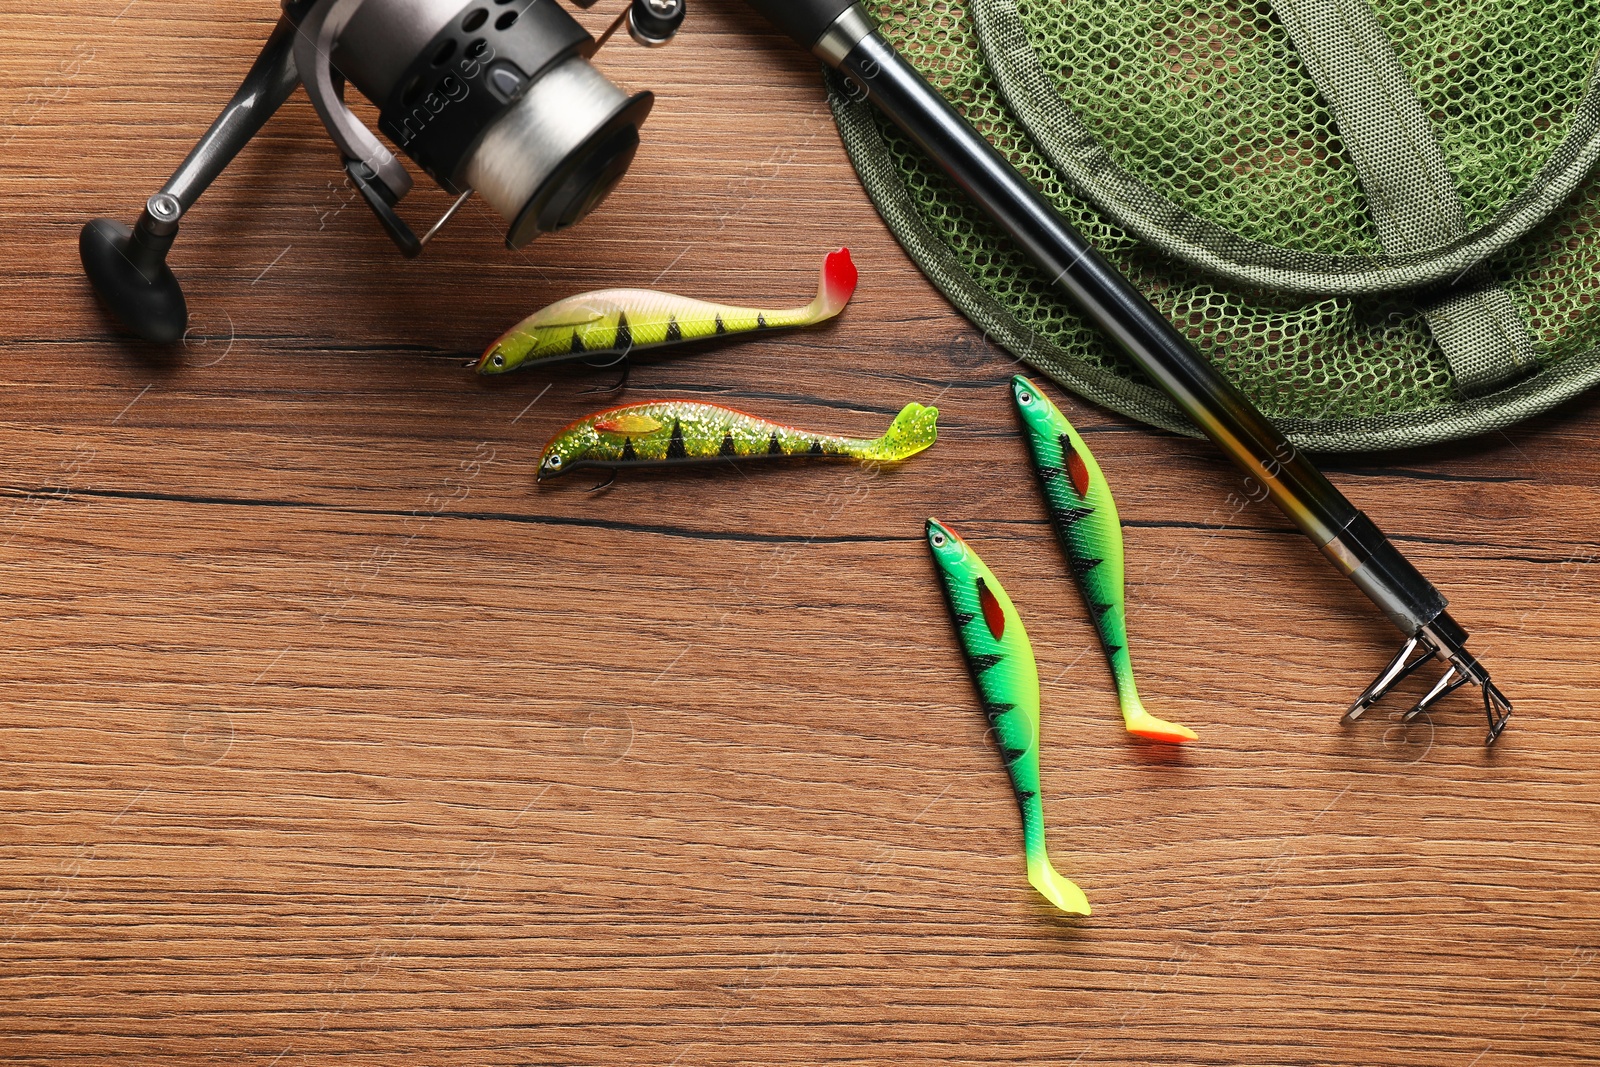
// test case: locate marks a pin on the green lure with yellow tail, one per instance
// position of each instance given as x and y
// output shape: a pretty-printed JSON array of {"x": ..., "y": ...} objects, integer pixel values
[
  {"x": 1007, "y": 678},
  {"x": 1078, "y": 498},
  {"x": 667, "y": 432}
]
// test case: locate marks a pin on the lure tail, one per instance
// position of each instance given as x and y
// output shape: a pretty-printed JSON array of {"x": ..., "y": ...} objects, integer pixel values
[
  {"x": 1141, "y": 723},
  {"x": 836, "y": 287},
  {"x": 913, "y": 430},
  {"x": 1061, "y": 891}
]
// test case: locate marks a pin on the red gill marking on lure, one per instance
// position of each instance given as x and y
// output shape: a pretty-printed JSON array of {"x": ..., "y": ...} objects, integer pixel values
[
  {"x": 993, "y": 613},
  {"x": 839, "y": 277},
  {"x": 1079, "y": 471}
]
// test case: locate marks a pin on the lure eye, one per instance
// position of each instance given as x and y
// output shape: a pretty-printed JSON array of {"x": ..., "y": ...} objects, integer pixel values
[
  {"x": 938, "y": 540},
  {"x": 497, "y": 360},
  {"x": 1025, "y": 397},
  {"x": 554, "y": 463}
]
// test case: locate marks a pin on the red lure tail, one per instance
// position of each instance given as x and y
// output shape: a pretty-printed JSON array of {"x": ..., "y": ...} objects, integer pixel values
[{"x": 838, "y": 284}]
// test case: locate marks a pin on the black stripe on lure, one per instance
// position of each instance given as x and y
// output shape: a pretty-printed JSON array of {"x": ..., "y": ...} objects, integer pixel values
[
  {"x": 1078, "y": 498},
  {"x": 1007, "y": 679}
]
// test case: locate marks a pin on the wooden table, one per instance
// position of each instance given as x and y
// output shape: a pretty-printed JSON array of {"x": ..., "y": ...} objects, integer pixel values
[{"x": 330, "y": 738}]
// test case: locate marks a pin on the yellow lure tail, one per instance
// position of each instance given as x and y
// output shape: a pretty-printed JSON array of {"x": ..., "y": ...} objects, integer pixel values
[
  {"x": 1062, "y": 892},
  {"x": 913, "y": 430}
]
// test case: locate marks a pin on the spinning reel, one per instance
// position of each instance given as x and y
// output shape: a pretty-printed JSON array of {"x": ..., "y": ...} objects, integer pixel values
[{"x": 493, "y": 97}]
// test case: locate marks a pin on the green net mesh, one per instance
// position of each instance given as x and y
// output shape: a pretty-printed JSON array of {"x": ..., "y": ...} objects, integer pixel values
[
  {"x": 1555, "y": 279},
  {"x": 1501, "y": 82},
  {"x": 1206, "y": 104}
]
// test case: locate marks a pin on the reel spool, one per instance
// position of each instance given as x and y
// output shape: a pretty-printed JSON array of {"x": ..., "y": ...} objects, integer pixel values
[{"x": 494, "y": 97}]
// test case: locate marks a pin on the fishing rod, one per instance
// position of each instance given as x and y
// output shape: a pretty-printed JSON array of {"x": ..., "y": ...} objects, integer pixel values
[{"x": 840, "y": 33}]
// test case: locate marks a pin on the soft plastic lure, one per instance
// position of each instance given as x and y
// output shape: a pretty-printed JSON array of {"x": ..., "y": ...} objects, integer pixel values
[
  {"x": 1007, "y": 679},
  {"x": 1085, "y": 518},
  {"x": 681, "y": 431},
  {"x": 619, "y": 321}
]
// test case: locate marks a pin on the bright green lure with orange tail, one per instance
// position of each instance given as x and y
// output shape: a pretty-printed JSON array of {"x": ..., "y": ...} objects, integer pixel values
[
  {"x": 681, "y": 431},
  {"x": 1007, "y": 678},
  {"x": 1086, "y": 521},
  {"x": 620, "y": 321}
]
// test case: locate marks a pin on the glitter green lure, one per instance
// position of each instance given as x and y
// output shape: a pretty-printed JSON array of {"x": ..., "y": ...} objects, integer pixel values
[
  {"x": 666, "y": 432},
  {"x": 617, "y": 322},
  {"x": 1007, "y": 678},
  {"x": 1085, "y": 518}
]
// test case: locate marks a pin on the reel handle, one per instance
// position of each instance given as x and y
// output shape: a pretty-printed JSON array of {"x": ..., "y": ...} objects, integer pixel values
[{"x": 128, "y": 265}]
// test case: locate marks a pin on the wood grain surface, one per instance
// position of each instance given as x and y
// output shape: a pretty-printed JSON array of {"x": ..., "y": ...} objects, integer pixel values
[{"x": 331, "y": 738}]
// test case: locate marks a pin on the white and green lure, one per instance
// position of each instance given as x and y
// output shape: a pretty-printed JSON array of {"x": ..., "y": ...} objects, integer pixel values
[{"x": 618, "y": 322}]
